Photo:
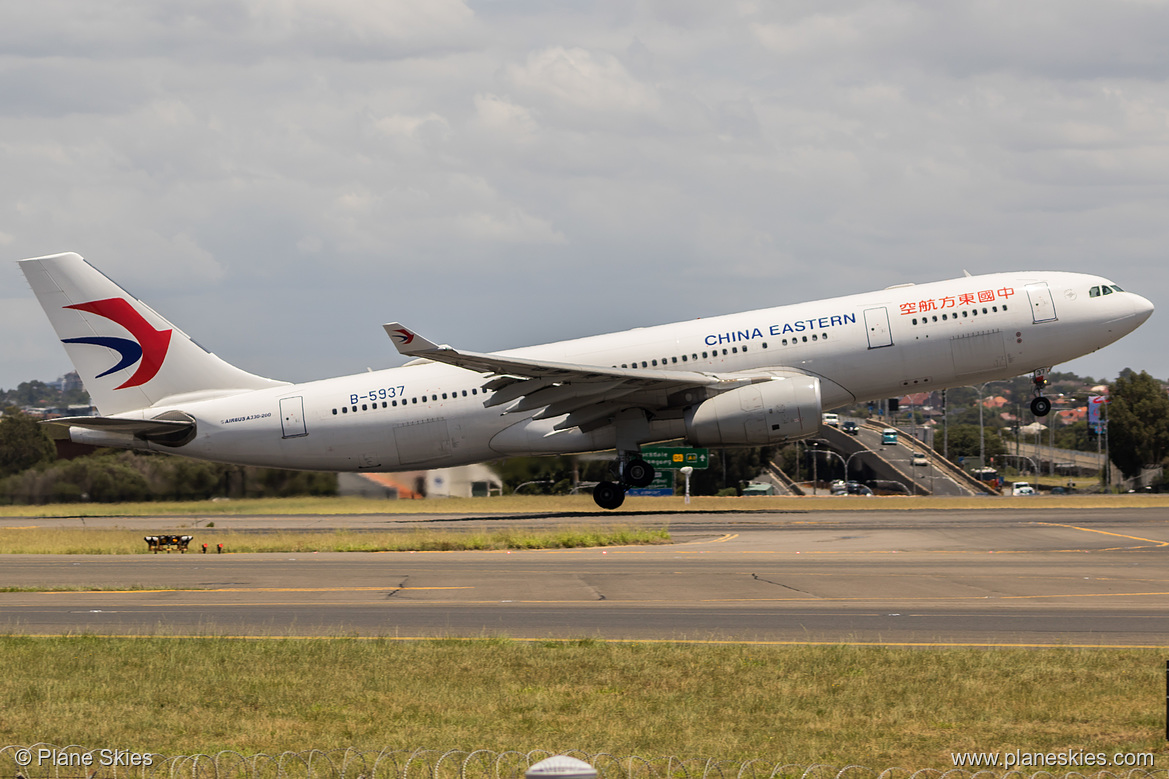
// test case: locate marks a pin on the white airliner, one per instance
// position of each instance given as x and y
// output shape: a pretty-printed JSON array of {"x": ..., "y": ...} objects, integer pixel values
[{"x": 751, "y": 379}]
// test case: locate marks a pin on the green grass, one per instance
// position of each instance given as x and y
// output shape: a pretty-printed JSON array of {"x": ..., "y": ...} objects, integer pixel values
[
  {"x": 95, "y": 541},
  {"x": 839, "y": 705}
]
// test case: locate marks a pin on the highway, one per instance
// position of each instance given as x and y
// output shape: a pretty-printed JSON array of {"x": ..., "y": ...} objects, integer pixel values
[{"x": 1084, "y": 577}]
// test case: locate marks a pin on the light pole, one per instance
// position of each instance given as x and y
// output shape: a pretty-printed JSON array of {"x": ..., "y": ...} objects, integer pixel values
[
  {"x": 981, "y": 427},
  {"x": 1034, "y": 467},
  {"x": 816, "y": 448}
]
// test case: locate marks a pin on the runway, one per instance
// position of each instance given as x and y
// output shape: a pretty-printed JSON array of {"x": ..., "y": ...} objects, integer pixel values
[{"x": 987, "y": 577}]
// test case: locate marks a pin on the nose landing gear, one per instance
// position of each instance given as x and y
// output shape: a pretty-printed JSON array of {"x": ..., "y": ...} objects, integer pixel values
[{"x": 1040, "y": 405}]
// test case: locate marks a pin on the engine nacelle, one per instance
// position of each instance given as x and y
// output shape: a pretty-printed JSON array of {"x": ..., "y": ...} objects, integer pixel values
[{"x": 758, "y": 414}]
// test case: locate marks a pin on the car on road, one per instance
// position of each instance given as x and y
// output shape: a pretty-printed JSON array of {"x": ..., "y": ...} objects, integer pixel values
[
  {"x": 850, "y": 427},
  {"x": 920, "y": 459},
  {"x": 830, "y": 420},
  {"x": 1022, "y": 488},
  {"x": 840, "y": 487}
]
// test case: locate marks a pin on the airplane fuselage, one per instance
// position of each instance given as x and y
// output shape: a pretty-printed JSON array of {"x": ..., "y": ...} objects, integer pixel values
[{"x": 861, "y": 347}]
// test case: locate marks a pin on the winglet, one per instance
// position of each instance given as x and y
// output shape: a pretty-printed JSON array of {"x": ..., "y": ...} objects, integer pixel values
[{"x": 408, "y": 342}]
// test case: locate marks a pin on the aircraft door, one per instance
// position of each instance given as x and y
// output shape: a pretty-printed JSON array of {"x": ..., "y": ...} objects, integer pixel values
[
  {"x": 1042, "y": 306},
  {"x": 292, "y": 417},
  {"x": 877, "y": 327}
]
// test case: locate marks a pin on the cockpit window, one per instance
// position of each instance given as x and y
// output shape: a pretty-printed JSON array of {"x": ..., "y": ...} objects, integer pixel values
[{"x": 1105, "y": 289}]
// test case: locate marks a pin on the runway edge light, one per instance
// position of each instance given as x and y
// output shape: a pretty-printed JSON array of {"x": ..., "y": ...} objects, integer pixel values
[{"x": 561, "y": 767}]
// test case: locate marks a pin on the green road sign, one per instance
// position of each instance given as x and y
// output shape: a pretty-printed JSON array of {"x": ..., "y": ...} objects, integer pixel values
[
  {"x": 663, "y": 484},
  {"x": 673, "y": 457}
]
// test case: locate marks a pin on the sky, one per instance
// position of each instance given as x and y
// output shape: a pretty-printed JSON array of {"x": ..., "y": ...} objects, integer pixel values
[{"x": 280, "y": 177}]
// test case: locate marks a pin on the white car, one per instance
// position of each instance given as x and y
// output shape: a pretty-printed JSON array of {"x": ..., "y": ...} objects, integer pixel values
[
  {"x": 1022, "y": 488},
  {"x": 920, "y": 459},
  {"x": 831, "y": 420}
]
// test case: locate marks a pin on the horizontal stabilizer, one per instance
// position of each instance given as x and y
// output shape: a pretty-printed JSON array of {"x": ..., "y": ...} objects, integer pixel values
[{"x": 139, "y": 428}]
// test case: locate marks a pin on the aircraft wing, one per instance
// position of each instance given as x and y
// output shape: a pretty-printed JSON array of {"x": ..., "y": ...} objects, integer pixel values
[{"x": 588, "y": 394}]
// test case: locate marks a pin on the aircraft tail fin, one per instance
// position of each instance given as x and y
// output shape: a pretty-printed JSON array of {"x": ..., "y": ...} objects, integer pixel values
[{"x": 127, "y": 355}]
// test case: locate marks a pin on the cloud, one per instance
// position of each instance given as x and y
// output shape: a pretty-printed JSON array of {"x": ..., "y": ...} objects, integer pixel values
[
  {"x": 590, "y": 88},
  {"x": 571, "y": 168}
]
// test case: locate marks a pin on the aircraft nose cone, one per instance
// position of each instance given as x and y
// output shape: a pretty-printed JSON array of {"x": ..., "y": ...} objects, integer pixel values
[{"x": 1142, "y": 308}]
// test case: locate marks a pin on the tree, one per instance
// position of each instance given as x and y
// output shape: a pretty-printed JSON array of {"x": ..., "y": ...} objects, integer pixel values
[
  {"x": 964, "y": 442},
  {"x": 23, "y": 443},
  {"x": 1138, "y": 422}
]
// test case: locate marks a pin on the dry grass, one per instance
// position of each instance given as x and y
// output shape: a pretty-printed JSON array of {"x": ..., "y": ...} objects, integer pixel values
[
  {"x": 838, "y": 705},
  {"x": 95, "y": 541}
]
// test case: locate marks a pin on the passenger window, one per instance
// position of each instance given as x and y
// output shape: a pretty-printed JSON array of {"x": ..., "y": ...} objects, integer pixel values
[
  {"x": 674, "y": 359},
  {"x": 683, "y": 358},
  {"x": 735, "y": 349},
  {"x": 814, "y": 338}
]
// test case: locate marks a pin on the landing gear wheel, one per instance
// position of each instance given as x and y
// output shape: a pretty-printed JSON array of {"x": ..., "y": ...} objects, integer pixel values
[
  {"x": 1040, "y": 406},
  {"x": 638, "y": 473},
  {"x": 609, "y": 495}
]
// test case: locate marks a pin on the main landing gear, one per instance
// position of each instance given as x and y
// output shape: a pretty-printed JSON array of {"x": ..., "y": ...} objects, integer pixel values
[
  {"x": 1040, "y": 405},
  {"x": 632, "y": 471}
]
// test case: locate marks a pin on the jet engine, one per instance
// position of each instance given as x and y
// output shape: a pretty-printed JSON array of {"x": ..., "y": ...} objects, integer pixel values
[{"x": 770, "y": 412}]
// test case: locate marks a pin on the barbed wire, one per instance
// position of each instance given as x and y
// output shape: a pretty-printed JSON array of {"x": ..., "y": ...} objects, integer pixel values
[{"x": 47, "y": 761}]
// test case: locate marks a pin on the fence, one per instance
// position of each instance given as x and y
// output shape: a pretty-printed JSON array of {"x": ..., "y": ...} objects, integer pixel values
[{"x": 45, "y": 761}]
